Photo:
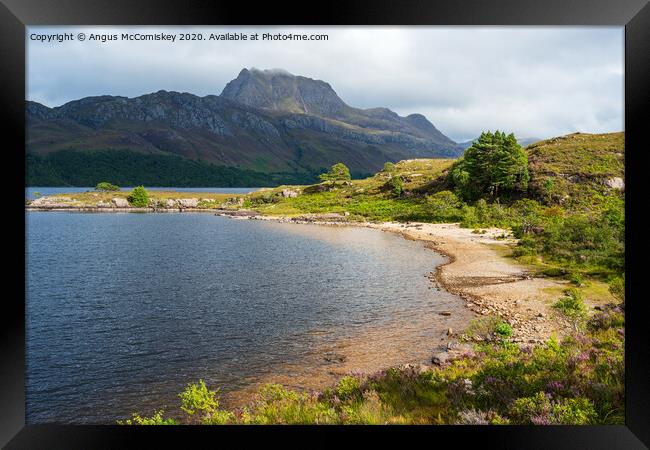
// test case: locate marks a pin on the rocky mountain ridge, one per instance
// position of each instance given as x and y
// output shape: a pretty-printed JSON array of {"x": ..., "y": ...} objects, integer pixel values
[{"x": 265, "y": 121}]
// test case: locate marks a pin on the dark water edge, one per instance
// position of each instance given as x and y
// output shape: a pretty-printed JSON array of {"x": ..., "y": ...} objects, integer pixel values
[
  {"x": 123, "y": 310},
  {"x": 54, "y": 190}
]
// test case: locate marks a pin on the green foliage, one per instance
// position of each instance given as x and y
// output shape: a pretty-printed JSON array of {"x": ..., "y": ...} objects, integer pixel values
[
  {"x": 617, "y": 288},
  {"x": 338, "y": 172},
  {"x": 277, "y": 405},
  {"x": 576, "y": 278},
  {"x": 105, "y": 186},
  {"x": 139, "y": 197},
  {"x": 396, "y": 185},
  {"x": 389, "y": 167},
  {"x": 444, "y": 206},
  {"x": 348, "y": 388},
  {"x": 503, "y": 330},
  {"x": 572, "y": 306},
  {"x": 495, "y": 165},
  {"x": 156, "y": 419},
  {"x": 197, "y": 398},
  {"x": 541, "y": 409}
]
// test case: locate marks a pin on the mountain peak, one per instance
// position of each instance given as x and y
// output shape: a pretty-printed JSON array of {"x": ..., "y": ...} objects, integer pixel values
[{"x": 279, "y": 90}]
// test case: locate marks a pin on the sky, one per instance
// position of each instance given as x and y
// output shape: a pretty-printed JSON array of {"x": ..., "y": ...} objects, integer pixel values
[{"x": 533, "y": 81}]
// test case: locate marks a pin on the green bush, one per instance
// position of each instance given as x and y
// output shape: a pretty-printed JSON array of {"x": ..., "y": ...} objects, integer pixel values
[
  {"x": 338, "y": 172},
  {"x": 541, "y": 409},
  {"x": 197, "y": 400},
  {"x": 576, "y": 278},
  {"x": 444, "y": 207},
  {"x": 139, "y": 197},
  {"x": 572, "y": 306},
  {"x": 156, "y": 419},
  {"x": 348, "y": 388},
  {"x": 617, "y": 288},
  {"x": 389, "y": 167},
  {"x": 396, "y": 185},
  {"x": 503, "y": 330},
  {"x": 105, "y": 186}
]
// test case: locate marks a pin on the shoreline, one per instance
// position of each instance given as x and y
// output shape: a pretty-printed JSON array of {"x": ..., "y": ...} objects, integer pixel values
[{"x": 489, "y": 282}]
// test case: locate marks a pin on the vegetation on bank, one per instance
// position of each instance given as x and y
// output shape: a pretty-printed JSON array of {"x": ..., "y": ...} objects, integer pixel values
[
  {"x": 105, "y": 186},
  {"x": 577, "y": 381}
]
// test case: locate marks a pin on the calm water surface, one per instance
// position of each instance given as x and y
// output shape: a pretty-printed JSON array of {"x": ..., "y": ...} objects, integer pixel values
[{"x": 125, "y": 309}]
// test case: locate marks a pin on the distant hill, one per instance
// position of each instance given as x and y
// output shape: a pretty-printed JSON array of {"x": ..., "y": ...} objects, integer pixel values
[
  {"x": 522, "y": 141},
  {"x": 267, "y": 127}
]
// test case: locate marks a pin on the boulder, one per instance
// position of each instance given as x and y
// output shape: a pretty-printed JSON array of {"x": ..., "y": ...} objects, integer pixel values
[
  {"x": 50, "y": 202},
  {"x": 289, "y": 193},
  {"x": 334, "y": 357},
  {"x": 170, "y": 203},
  {"x": 440, "y": 358},
  {"x": 188, "y": 202},
  {"x": 615, "y": 183},
  {"x": 120, "y": 202}
]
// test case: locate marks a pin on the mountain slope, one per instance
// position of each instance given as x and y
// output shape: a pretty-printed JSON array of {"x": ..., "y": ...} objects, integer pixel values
[{"x": 269, "y": 122}]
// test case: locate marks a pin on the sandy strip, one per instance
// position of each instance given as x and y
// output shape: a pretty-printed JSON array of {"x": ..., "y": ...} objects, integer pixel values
[{"x": 491, "y": 283}]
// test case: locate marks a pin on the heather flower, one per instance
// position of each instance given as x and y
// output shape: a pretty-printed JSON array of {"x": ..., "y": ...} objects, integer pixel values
[{"x": 540, "y": 420}]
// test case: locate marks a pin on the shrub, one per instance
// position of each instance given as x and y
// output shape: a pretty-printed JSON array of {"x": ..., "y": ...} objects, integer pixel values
[
  {"x": 444, "y": 206},
  {"x": 503, "y": 330},
  {"x": 389, "y": 167},
  {"x": 156, "y": 419},
  {"x": 617, "y": 288},
  {"x": 197, "y": 399},
  {"x": 338, "y": 172},
  {"x": 541, "y": 409},
  {"x": 396, "y": 185},
  {"x": 139, "y": 197},
  {"x": 576, "y": 278},
  {"x": 105, "y": 186},
  {"x": 572, "y": 306},
  {"x": 348, "y": 388}
]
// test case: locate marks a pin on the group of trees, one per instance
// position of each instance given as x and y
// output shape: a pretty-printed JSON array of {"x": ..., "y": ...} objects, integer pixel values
[
  {"x": 494, "y": 167},
  {"x": 338, "y": 172},
  {"x": 139, "y": 197}
]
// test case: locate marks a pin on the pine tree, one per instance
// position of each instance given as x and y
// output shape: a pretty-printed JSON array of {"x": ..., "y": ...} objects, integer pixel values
[{"x": 493, "y": 166}]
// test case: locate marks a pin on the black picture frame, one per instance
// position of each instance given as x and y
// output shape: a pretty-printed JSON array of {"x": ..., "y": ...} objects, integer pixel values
[{"x": 16, "y": 14}]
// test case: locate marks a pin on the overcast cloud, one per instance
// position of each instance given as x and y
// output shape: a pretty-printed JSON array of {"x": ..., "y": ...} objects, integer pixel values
[{"x": 533, "y": 81}]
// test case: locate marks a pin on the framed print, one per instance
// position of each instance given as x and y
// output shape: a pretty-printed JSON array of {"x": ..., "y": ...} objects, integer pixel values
[{"x": 380, "y": 220}]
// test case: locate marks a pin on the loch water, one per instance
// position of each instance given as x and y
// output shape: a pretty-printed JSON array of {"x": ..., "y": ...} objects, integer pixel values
[{"x": 124, "y": 309}]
